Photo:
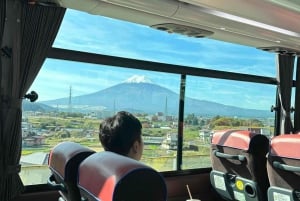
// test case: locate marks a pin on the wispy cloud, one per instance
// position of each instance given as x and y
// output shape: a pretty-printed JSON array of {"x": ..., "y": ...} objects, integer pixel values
[{"x": 136, "y": 41}]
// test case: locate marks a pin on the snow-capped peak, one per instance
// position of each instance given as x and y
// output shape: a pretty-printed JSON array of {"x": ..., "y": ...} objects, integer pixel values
[{"x": 138, "y": 79}]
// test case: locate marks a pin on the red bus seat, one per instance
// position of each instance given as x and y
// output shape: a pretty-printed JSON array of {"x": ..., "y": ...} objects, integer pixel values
[
  {"x": 64, "y": 162},
  {"x": 107, "y": 176},
  {"x": 284, "y": 168},
  {"x": 239, "y": 165}
]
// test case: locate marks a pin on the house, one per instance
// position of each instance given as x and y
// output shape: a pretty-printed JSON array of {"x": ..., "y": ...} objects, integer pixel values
[
  {"x": 205, "y": 135},
  {"x": 31, "y": 141},
  {"x": 170, "y": 141}
]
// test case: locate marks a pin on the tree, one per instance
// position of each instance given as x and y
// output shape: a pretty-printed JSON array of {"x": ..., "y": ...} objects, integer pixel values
[{"x": 191, "y": 119}]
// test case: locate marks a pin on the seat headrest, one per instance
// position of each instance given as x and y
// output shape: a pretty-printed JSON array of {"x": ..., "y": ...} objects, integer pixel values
[
  {"x": 107, "y": 176},
  {"x": 65, "y": 158},
  {"x": 239, "y": 139},
  {"x": 285, "y": 146}
]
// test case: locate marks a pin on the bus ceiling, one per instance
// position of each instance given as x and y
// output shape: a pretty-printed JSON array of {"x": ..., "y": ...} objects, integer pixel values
[{"x": 265, "y": 24}]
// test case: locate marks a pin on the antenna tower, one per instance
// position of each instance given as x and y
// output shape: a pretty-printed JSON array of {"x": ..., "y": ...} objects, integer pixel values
[
  {"x": 166, "y": 107},
  {"x": 70, "y": 99}
]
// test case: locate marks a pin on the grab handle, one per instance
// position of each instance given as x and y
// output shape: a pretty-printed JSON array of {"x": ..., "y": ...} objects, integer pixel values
[
  {"x": 51, "y": 182},
  {"x": 229, "y": 156},
  {"x": 282, "y": 166}
]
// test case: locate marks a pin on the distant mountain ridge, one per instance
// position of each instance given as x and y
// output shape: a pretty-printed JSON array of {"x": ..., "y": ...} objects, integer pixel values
[
  {"x": 144, "y": 96},
  {"x": 37, "y": 107}
]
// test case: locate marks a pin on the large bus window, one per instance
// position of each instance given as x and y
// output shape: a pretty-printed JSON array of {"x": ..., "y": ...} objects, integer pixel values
[
  {"x": 74, "y": 98},
  {"x": 215, "y": 104}
]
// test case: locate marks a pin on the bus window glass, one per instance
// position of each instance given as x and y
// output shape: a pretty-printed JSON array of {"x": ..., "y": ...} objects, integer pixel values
[
  {"x": 75, "y": 97},
  {"x": 124, "y": 39},
  {"x": 293, "y": 104},
  {"x": 215, "y": 104}
]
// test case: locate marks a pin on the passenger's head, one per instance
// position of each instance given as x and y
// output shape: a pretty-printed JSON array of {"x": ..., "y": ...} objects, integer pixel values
[{"x": 122, "y": 134}]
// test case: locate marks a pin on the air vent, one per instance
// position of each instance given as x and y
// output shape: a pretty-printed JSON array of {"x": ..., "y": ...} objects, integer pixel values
[
  {"x": 280, "y": 50},
  {"x": 182, "y": 29},
  {"x": 51, "y": 3}
]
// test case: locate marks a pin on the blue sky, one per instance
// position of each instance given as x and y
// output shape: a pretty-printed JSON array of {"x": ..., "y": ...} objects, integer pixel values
[{"x": 90, "y": 33}]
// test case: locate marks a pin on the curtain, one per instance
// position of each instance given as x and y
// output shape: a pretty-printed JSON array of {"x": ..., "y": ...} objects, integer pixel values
[
  {"x": 2, "y": 20},
  {"x": 285, "y": 68},
  {"x": 2, "y": 17},
  {"x": 297, "y": 98},
  {"x": 31, "y": 30}
]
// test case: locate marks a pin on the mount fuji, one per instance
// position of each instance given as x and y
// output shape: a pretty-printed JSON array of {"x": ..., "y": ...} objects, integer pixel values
[{"x": 140, "y": 94}]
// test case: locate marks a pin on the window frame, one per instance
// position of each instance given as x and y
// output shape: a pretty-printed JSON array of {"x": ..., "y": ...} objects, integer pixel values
[{"x": 113, "y": 61}]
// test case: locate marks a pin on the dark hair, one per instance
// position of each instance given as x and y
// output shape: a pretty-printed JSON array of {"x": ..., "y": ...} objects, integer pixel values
[{"x": 118, "y": 133}]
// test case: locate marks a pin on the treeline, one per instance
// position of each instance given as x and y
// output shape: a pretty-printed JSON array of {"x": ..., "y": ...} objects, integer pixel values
[{"x": 220, "y": 121}]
